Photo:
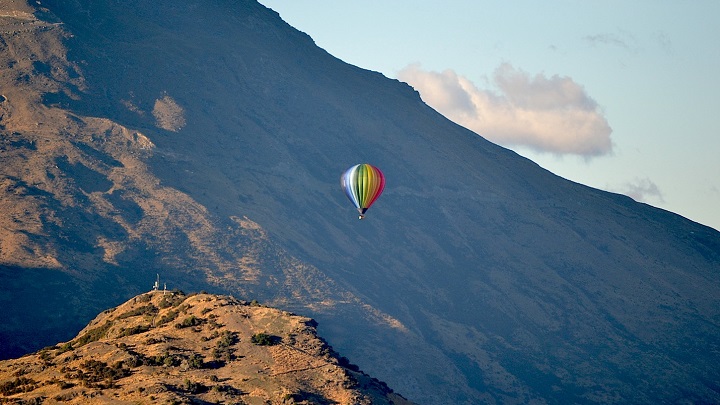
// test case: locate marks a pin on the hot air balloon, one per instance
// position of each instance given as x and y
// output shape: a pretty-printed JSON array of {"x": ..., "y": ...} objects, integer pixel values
[{"x": 363, "y": 184}]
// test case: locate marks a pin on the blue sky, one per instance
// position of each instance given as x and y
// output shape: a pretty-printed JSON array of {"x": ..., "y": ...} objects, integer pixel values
[{"x": 617, "y": 95}]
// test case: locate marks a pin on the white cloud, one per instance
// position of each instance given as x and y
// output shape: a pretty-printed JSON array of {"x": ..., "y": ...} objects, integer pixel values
[
  {"x": 552, "y": 114},
  {"x": 644, "y": 190},
  {"x": 607, "y": 39},
  {"x": 620, "y": 39}
]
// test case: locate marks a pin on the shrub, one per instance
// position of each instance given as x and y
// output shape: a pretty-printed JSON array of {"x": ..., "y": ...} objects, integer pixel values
[
  {"x": 173, "y": 300},
  {"x": 134, "y": 361},
  {"x": 229, "y": 390},
  {"x": 66, "y": 347},
  {"x": 171, "y": 361},
  {"x": 195, "y": 361},
  {"x": 20, "y": 384},
  {"x": 96, "y": 371},
  {"x": 223, "y": 349},
  {"x": 264, "y": 339},
  {"x": 192, "y": 320},
  {"x": 152, "y": 341},
  {"x": 212, "y": 336},
  {"x": 194, "y": 387},
  {"x": 227, "y": 339},
  {"x": 149, "y": 309},
  {"x": 134, "y": 330},
  {"x": 165, "y": 359},
  {"x": 214, "y": 324},
  {"x": 45, "y": 355},
  {"x": 169, "y": 317},
  {"x": 93, "y": 335},
  {"x": 144, "y": 298}
]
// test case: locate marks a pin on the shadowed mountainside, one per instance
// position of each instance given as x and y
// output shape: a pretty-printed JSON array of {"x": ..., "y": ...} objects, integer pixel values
[{"x": 204, "y": 141}]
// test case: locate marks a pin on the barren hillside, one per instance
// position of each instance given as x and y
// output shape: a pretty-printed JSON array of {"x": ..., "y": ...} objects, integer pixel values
[{"x": 166, "y": 347}]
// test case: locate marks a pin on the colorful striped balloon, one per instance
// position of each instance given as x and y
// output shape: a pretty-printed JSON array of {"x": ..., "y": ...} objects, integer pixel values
[{"x": 363, "y": 184}]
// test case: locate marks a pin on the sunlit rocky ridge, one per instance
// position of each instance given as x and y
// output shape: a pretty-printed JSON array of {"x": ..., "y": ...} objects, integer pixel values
[{"x": 169, "y": 347}]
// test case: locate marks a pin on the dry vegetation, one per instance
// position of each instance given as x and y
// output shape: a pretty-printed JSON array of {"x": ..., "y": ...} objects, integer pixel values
[{"x": 176, "y": 349}]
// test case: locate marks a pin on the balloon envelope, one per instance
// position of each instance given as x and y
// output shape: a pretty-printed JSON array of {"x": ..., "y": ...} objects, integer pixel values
[{"x": 363, "y": 184}]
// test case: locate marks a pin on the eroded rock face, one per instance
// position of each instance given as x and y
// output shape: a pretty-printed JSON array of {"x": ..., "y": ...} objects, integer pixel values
[{"x": 166, "y": 346}]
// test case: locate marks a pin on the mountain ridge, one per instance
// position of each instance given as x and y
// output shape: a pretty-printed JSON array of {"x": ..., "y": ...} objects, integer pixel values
[
  {"x": 205, "y": 143},
  {"x": 169, "y": 347}
]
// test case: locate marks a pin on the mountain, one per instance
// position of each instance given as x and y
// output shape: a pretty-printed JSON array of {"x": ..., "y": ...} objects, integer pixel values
[
  {"x": 167, "y": 347},
  {"x": 204, "y": 141}
]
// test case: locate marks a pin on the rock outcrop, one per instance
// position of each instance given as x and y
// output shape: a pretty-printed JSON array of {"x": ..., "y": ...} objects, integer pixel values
[{"x": 172, "y": 348}]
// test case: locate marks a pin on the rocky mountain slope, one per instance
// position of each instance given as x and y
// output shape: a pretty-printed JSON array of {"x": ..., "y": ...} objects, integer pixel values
[
  {"x": 204, "y": 141},
  {"x": 166, "y": 347}
]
